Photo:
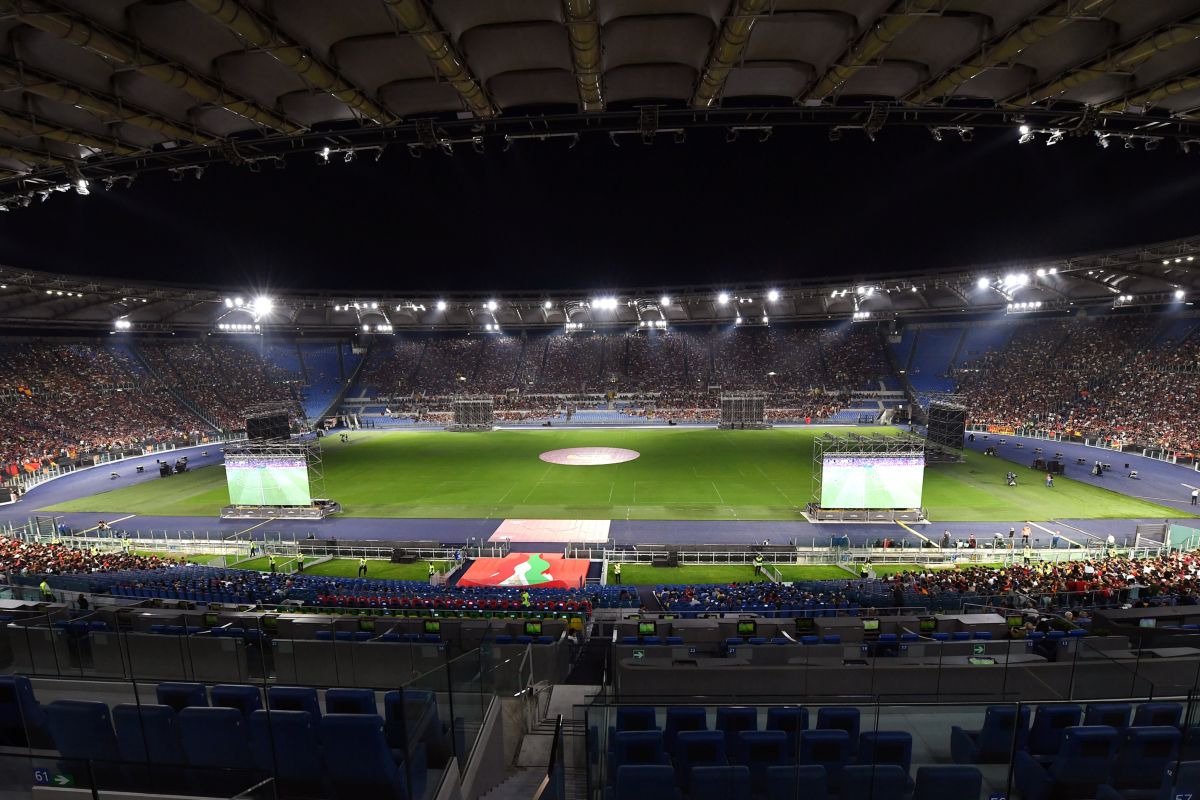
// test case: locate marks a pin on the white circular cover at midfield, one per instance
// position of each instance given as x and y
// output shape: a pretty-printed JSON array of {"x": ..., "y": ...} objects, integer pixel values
[{"x": 589, "y": 456}]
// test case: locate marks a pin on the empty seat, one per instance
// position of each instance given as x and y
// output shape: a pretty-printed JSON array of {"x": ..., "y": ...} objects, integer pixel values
[
  {"x": 294, "y": 698},
  {"x": 1182, "y": 781},
  {"x": 644, "y": 780},
  {"x": 982, "y": 635},
  {"x": 22, "y": 721},
  {"x": 350, "y": 701},
  {"x": 637, "y": 747},
  {"x": 873, "y": 782},
  {"x": 1143, "y": 754},
  {"x": 697, "y": 749},
  {"x": 82, "y": 731},
  {"x": 1084, "y": 761},
  {"x": 636, "y": 718},
  {"x": 732, "y": 720},
  {"x": 1114, "y": 715},
  {"x": 886, "y": 747},
  {"x": 246, "y": 699},
  {"x": 720, "y": 783},
  {"x": 961, "y": 636},
  {"x": 993, "y": 743},
  {"x": 759, "y": 750},
  {"x": 810, "y": 640},
  {"x": 285, "y": 743},
  {"x": 839, "y": 718},
  {"x": 148, "y": 733},
  {"x": 828, "y": 748},
  {"x": 1158, "y": 714},
  {"x": 411, "y": 717},
  {"x": 948, "y": 783},
  {"x": 359, "y": 764},
  {"x": 1049, "y": 722},
  {"x": 503, "y": 638},
  {"x": 792, "y": 782},
  {"x": 831, "y": 638},
  {"x": 674, "y": 640},
  {"x": 941, "y": 637},
  {"x": 215, "y": 737},
  {"x": 789, "y": 719},
  {"x": 181, "y": 695},
  {"x": 909, "y": 637},
  {"x": 645, "y": 639},
  {"x": 682, "y": 719}
]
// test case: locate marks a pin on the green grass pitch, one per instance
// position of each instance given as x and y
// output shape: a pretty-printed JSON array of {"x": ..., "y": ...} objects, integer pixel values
[{"x": 683, "y": 473}]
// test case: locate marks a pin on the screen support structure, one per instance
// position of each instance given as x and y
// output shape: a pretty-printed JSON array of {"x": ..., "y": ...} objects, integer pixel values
[
  {"x": 945, "y": 430},
  {"x": 743, "y": 411},
  {"x": 472, "y": 414},
  {"x": 857, "y": 444},
  {"x": 310, "y": 450}
]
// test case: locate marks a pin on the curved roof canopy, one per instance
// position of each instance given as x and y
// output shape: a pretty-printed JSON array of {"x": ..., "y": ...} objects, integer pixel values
[{"x": 103, "y": 89}]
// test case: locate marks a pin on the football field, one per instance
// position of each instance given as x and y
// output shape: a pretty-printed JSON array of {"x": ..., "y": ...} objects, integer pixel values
[{"x": 679, "y": 474}]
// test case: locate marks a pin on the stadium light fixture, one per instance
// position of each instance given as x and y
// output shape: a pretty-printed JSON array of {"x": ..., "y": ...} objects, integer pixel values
[
  {"x": 229, "y": 303},
  {"x": 738, "y": 321},
  {"x": 491, "y": 305},
  {"x": 983, "y": 283},
  {"x": 1179, "y": 294},
  {"x": 723, "y": 298},
  {"x": 546, "y": 304},
  {"x": 237, "y": 301},
  {"x": 441, "y": 305},
  {"x": 773, "y": 295},
  {"x": 766, "y": 319},
  {"x": 1024, "y": 130},
  {"x": 1041, "y": 273},
  {"x": 1166, "y": 261},
  {"x": 81, "y": 188},
  {"x": 605, "y": 303},
  {"x": 1052, "y": 271},
  {"x": 366, "y": 328},
  {"x": 665, "y": 300},
  {"x": 123, "y": 324},
  {"x": 263, "y": 305}
]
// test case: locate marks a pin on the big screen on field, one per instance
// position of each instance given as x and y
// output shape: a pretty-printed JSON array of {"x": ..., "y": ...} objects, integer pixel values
[
  {"x": 865, "y": 481},
  {"x": 267, "y": 480}
]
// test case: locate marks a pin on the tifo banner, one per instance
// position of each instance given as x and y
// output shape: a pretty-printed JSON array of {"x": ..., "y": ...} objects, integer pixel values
[
  {"x": 527, "y": 569},
  {"x": 1005, "y": 429}
]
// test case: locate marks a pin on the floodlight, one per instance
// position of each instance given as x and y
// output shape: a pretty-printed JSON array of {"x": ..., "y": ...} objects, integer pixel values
[
  {"x": 1024, "y": 129},
  {"x": 773, "y": 295},
  {"x": 766, "y": 319},
  {"x": 263, "y": 305},
  {"x": 983, "y": 283},
  {"x": 122, "y": 324},
  {"x": 665, "y": 300},
  {"x": 491, "y": 305},
  {"x": 738, "y": 321},
  {"x": 1191, "y": 258},
  {"x": 833, "y": 293},
  {"x": 441, "y": 305},
  {"x": 546, "y": 304},
  {"x": 1056, "y": 136},
  {"x": 1041, "y": 273},
  {"x": 366, "y": 327},
  {"x": 229, "y": 303},
  {"x": 237, "y": 301},
  {"x": 723, "y": 298},
  {"x": 1177, "y": 260},
  {"x": 1179, "y": 294},
  {"x": 374, "y": 306},
  {"x": 81, "y": 187},
  {"x": 1166, "y": 261}
]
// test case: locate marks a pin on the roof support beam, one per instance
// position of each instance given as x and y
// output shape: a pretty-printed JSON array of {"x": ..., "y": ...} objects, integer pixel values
[
  {"x": 81, "y": 32},
  {"x": 1063, "y": 14},
  {"x": 726, "y": 51},
  {"x": 871, "y": 46},
  {"x": 27, "y": 126},
  {"x": 1125, "y": 60},
  {"x": 256, "y": 32},
  {"x": 583, "y": 29},
  {"x": 1150, "y": 97},
  {"x": 53, "y": 88},
  {"x": 426, "y": 32},
  {"x": 34, "y": 158}
]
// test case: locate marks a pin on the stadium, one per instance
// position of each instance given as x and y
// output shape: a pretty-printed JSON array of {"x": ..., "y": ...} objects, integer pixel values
[{"x": 584, "y": 399}]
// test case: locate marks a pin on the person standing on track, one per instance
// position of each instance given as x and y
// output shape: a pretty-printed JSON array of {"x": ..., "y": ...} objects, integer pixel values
[
  {"x": 432, "y": 572},
  {"x": 271, "y": 562},
  {"x": 362, "y": 567},
  {"x": 299, "y": 562},
  {"x": 617, "y": 573},
  {"x": 1195, "y": 496}
]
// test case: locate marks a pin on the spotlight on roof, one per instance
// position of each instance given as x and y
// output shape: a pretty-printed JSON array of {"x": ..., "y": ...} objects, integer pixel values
[
  {"x": 723, "y": 298},
  {"x": 1041, "y": 273},
  {"x": 491, "y": 305},
  {"x": 665, "y": 300},
  {"x": 1179, "y": 294},
  {"x": 229, "y": 303},
  {"x": 738, "y": 321},
  {"x": 441, "y": 305},
  {"x": 1024, "y": 129},
  {"x": 323, "y": 155},
  {"x": 122, "y": 324},
  {"x": 983, "y": 283},
  {"x": 81, "y": 186},
  {"x": 237, "y": 301},
  {"x": 773, "y": 295},
  {"x": 546, "y": 304},
  {"x": 1056, "y": 136},
  {"x": 263, "y": 305},
  {"x": 605, "y": 303}
]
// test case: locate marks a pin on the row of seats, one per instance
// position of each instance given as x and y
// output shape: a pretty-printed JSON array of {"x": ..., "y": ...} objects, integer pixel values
[
  {"x": 1130, "y": 763},
  {"x": 787, "y": 782},
  {"x": 504, "y": 638},
  {"x": 1005, "y": 728}
]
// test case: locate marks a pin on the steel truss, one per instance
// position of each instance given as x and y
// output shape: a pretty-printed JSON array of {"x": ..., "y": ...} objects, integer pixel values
[
  {"x": 946, "y": 426},
  {"x": 472, "y": 414},
  {"x": 307, "y": 448},
  {"x": 855, "y": 444},
  {"x": 743, "y": 411}
]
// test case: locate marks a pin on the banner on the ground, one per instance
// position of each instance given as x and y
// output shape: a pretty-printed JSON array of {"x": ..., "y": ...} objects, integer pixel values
[{"x": 541, "y": 570}]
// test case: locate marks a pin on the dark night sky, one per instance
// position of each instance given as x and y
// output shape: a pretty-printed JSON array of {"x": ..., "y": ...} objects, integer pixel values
[{"x": 541, "y": 216}]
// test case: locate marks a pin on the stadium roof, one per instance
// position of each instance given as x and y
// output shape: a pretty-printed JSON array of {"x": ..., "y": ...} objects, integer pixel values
[
  {"x": 1165, "y": 275},
  {"x": 99, "y": 90}
]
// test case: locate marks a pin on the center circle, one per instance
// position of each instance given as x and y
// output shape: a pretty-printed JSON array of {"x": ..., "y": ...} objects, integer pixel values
[{"x": 589, "y": 456}]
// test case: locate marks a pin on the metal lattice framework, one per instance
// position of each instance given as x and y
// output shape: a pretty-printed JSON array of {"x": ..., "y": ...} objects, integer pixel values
[
  {"x": 946, "y": 425},
  {"x": 743, "y": 411},
  {"x": 858, "y": 445},
  {"x": 104, "y": 91},
  {"x": 307, "y": 448},
  {"x": 472, "y": 414}
]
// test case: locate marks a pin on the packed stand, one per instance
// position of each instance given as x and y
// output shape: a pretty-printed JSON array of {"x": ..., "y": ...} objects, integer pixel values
[
  {"x": 63, "y": 401},
  {"x": 26, "y": 559},
  {"x": 853, "y": 358},
  {"x": 569, "y": 363},
  {"x": 390, "y": 365}
]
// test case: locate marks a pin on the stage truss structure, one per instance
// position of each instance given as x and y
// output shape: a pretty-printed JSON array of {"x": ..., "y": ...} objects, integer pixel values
[
  {"x": 945, "y": 428},
  {"x": 308, "y": 448},
  {"x": 743, "y": 411},
  {"x": 855, "y": 444},
  {"x": 472, "y": 414}
]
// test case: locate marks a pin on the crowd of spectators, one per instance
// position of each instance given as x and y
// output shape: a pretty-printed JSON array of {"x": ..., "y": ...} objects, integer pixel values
[{"x": 20, "y": 558}]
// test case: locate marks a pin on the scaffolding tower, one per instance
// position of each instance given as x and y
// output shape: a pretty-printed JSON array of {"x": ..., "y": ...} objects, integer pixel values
[
  {"x": 743, "y": 412},
  {"x": 472, "y": 414}
]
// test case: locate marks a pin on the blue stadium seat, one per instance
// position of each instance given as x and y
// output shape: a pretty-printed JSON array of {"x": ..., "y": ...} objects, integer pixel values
[
  {"x": 637, "y": 747},
  {"x": 1158, "y": 714},
  {"x": 674, "y": 640},
  {"x": 645, "y": 639},
  {"x": 82, "y": 731},
  {"x": 687, "y": 718},
  {"x": 886, "y": 747},
  {"x": 1114, "y": 715},
  {"x": 792, "y": 782},
  {"x": 810, "y": 640},
  {"x": 181, "y": 695},
  {"x": 286, "y": 744},
  {"x": 358, "y": 763},
  {"x": 217, "y": 747},
  {"x": 643, "y": 780},
  {"x": 906, "y": 638},
  {"x": 1049, "y": 722},
  {"x": 630, "y": 640},
  {"x": 948, "y": 783},
  {"x": 697, "y": 749},
  {"x": 732, "y": 720},
  {"x": 636, "y": 718},
  {"x": 411, "y": 718},
  {"x": 246, "y": 699},
  {"x": 867, "y": 782},
  {"x": 941, "y": 637},
  {"x": 828, "y": 748},
  {"x": 992, "y": 744},
  {"x": 22, "y": 721},
  {"x": 1182, "y": 781},
  {"x": 350, "y": 701},
  {"x": 789, "y": 719},
  {"x": 1084, "y": 761},
  {"x": 503, "y": 638},
  {"x": 960, "y": 636},
  {"x": 1143, "y": 755},
  {"x": 839, "y": 718},
  {"x": 982, "y": 635},
  {"x": 294, "y": 698},
  {"x": 148, "y": 733},
  {"x": 759, "y": 750},
  {"x": 720, "y": 783},
  {"x": 831, "y": 638}
]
